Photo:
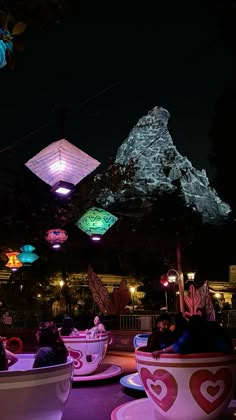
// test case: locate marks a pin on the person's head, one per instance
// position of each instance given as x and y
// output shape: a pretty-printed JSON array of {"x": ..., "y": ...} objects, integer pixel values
[
  {"x": 47, "y": 335},
  {"x": 163, "y": 322},
  {"x": 96, "y": 320},
  {"x": 67, "y": 326}
]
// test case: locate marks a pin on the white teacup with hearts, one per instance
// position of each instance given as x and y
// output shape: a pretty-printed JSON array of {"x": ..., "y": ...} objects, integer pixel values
[
  {"x": 86, "y": 352},
  {"x": 184, "y": 387}
]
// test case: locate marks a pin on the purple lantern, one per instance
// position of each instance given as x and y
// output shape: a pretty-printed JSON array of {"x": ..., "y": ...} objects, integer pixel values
[{"x": 62, "y": 165}]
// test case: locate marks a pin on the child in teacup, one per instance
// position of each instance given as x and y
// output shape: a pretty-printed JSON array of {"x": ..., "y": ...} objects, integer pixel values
[{"x": 162, "y": 337}]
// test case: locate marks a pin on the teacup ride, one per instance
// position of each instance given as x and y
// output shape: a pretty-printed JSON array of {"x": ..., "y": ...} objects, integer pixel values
[
  {"x": 88, "y": 353},
  {"x": 34, "y": 394},
  {"x": 133, "y": 381},
  {"x": 183, "y": 387}
]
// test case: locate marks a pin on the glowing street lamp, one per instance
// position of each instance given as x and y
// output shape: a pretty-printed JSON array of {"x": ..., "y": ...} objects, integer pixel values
[
  {"x": 173, "y": 277},
  {"x": 164, "y": 281},
  {"x": 132, "y": 291},
  {"x": 191, "y": 275},
  {"x": 61, "y": 283},
  {"x": 62, "y": 165}
]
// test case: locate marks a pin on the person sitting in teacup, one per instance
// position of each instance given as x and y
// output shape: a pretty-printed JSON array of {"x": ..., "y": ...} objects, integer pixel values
[
  {"x": 52, "y": 351},
  {"x": 161, "y": 337},
  {"x": 68, "y": 328},
  {"x": 99, "y": 327},
  {"x": 199, "y": 337},
  {"x": 7, "y": 358}
]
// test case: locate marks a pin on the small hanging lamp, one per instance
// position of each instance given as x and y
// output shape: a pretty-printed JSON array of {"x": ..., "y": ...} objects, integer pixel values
[
  {"x": 27, "y": 256},
  {"x": 56, "y": 237},
  {"x": 4, "y": 47},
  {"x": 95, "y": 222},
  {"x": 62, "y": 165},
  {"x": 13, "y": 262}
]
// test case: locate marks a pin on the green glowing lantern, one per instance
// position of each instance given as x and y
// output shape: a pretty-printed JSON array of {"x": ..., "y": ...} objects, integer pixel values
[
  {"x": 27, "y": 256},
  {"x": 95, "y": 222}
]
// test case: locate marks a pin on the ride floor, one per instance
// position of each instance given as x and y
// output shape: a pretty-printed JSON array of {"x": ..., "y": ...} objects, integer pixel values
[{"x": 95, "y": 400}]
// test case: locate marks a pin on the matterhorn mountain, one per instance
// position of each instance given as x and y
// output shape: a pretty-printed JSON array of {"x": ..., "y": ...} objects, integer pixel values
[{"x": 160, "y": 168}]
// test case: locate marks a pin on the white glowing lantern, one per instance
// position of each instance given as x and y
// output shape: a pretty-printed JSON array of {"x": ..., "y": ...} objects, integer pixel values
[{"x": 62, "y": 165}]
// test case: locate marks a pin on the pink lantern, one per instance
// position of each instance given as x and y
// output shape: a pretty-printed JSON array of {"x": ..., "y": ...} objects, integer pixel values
[
  {"x": 62, "y": 165},
  {"x": 56, "y": 237}
]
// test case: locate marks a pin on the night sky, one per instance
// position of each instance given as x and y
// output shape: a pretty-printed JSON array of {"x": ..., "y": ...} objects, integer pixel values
[{"x": 108, "y": 68}]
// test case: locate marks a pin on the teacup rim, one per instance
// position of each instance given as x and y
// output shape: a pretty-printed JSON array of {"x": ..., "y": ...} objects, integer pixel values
[{"x": 139, "y": 352}]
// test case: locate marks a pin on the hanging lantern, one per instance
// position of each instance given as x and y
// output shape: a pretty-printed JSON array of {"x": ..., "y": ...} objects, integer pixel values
[
  {"x": 5, "y": 44},
  {"x": 56, "y": 237},
  {"x": 6, "y": 41},
  {"x": 95, "y": 222},
  {"x": 27, "y": 256},
  {"x": 13, "y": 262},
  {"x": 62, "y": 165}
]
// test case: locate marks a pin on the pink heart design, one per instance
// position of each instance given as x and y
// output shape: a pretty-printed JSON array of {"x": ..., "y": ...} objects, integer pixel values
[
  {"x": 161, "y": 386},
  {"x": 76, "y": 355},
  {"x": 210, "y": 389}
]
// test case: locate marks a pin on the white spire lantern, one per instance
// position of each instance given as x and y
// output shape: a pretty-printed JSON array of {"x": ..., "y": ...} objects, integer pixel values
[{"x": 62, "y": 165}]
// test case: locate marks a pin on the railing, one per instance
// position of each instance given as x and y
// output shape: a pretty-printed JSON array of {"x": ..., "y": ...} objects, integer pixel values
[
  {"x": 20, "y": 319},
  {"x": 229, "y": 319},
  {"x": 137, "y": 322},
  {"x": 147, "y": 322}
]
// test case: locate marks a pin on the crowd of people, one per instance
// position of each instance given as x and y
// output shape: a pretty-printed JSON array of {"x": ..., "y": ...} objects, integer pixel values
[{"x": 51, "y": 347}]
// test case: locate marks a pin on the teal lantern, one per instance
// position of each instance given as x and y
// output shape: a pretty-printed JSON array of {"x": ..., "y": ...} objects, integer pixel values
[
  {"x": 95, "y": 222},
  {"x": 27, "y": 256},
  {"x": 5, "y": 44}
]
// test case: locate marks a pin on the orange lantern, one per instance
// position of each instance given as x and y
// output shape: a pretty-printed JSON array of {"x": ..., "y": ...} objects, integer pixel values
[{"x": 13, "y": 262}]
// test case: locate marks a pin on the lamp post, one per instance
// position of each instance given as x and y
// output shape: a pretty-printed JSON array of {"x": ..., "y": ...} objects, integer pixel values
[
  {"x": 174, "y": 276},
  {"x": 165, "y": 282},
  {"x": 132, "y": 291}
]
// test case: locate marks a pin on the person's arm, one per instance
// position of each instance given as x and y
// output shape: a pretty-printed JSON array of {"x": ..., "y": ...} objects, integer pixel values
[
  {"x": 11, "y": 358},
  {"x": 157, "y": 353},
  {"x": 176, "y": 347},
  {"x": 101, "y": 328}
]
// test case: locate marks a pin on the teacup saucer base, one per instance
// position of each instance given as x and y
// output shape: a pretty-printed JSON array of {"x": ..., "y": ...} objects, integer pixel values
[
  {"x": 132, "y": 381},
  {"x": 104, "y": 371},
  {"x": 143, "y": 409}
]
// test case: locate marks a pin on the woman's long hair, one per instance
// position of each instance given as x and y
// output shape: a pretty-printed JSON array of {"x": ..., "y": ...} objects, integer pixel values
[
  {"x": 48, "y": 336},
  {"x": 3, "y": 359},
  {"x": 67, "y": 326}
]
